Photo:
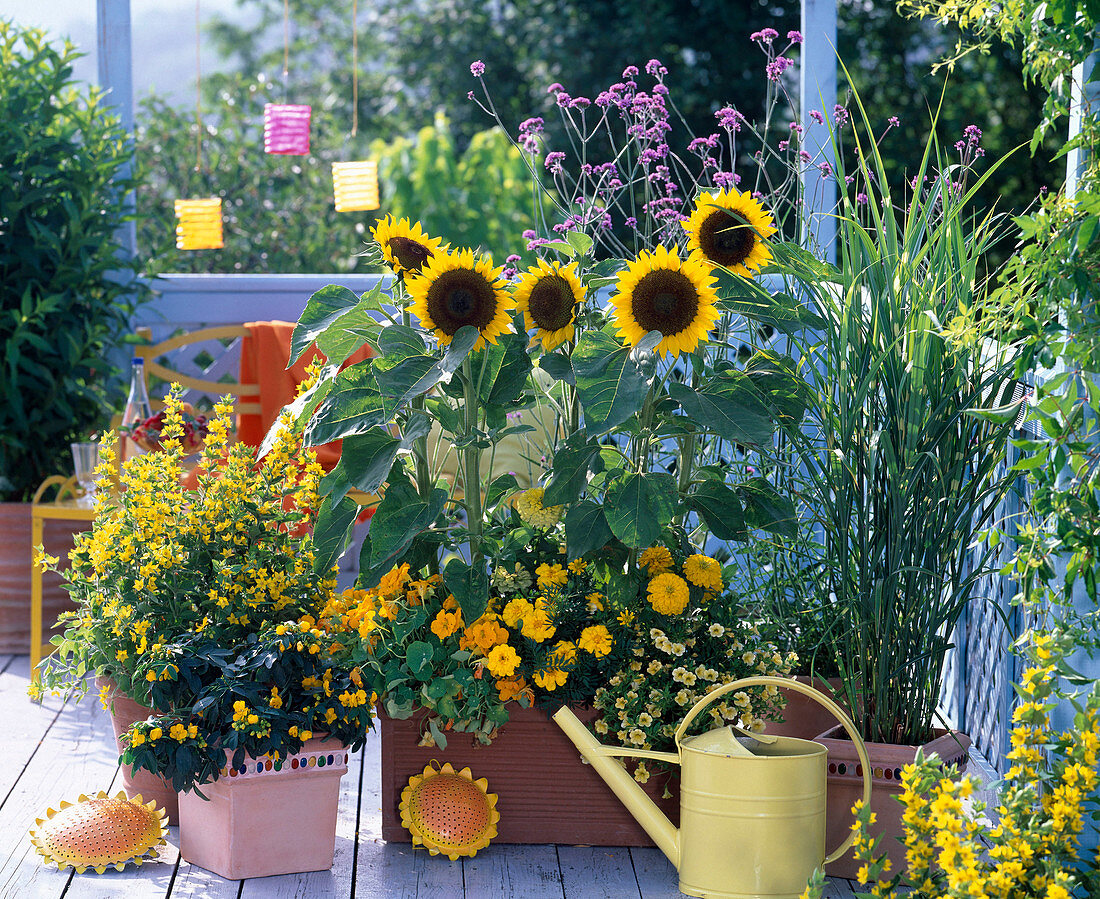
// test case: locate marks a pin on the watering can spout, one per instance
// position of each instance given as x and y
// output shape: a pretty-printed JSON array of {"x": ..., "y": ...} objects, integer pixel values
[{"x": 602, "y": 759}]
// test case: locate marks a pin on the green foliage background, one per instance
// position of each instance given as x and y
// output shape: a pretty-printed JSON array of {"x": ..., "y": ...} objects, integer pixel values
[
  {"x": 414, "y": 58},
  {"x": 64, "y": 300}
]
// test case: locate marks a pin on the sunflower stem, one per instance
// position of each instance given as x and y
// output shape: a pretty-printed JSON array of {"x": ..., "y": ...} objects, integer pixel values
[{"x": 471, "y": 454}]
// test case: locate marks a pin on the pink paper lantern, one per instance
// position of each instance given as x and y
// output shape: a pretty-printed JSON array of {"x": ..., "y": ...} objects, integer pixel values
[{"x": 286, "y": 129}]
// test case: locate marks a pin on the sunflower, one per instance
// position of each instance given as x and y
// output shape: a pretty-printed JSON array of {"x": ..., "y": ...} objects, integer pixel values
[
  {"x": 457, "y": 289},
  {"x": 660, "y": 292},
  {"x": 729, "y": 229},
  {"x": 548, "y": 295},
  {"x": 406, "y": 247}
]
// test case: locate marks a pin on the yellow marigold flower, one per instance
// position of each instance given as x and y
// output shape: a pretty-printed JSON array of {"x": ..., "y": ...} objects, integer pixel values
[
  {"x": 595, "y": 602},
  {"x": 530, "y": 508},
  {"x": 625, "y": 618},
  {"x": 668, "y": 594},
  {"x": 539, "y": 628},
  {"x": 551, "y": 575},
  {"x": 502, "y": 661},
  {"x": 705, "y": 572},
  {"x": 596, "y": 640},
  {"x": 564, "y": 652},
  {"x": 657, "y": 559},
  {"x": 551, "y": 679},
  {"x": 517, "y": 610}
]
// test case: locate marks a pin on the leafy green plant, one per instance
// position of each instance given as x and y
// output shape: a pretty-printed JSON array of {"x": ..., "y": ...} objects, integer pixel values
[
  {"x": 910, "y": 421},
  {"x": 66, "y": 293}
]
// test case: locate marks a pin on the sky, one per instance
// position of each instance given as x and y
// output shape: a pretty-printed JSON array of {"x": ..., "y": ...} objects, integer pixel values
[{"x": 163, "y": 33}]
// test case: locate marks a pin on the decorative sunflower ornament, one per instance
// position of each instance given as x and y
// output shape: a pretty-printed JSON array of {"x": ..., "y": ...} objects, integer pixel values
[
  {"x": 457, "y": 289},
  {"x": 406, "y": 247},
  {"x": 100, "y": 832},
  {"x": 548, "y": 295},
  {"x": 658, "y": 291},
  {"x": 448, "y": 812},
  {"x": 730, "y": 230}
]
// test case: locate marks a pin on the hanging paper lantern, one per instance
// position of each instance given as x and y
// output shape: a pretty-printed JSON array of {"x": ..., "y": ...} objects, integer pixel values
[
  {"x": 199, "y": 224},
  {"x": 355, "y": 185},
  {"x": 286, "y": 129}
]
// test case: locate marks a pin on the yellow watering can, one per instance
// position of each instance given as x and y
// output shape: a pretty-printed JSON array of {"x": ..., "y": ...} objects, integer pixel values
[{"x": 752, "y": 806}]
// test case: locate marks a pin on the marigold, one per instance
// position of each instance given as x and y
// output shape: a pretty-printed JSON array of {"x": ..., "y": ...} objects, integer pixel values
[
  {"x": 530, "y": 508},
  {"x": 656, "y": 559},
  {"x": 705, "y": 572},
  {"x": 502, "y": 661},
  {"x": 596, "y": 640},
  {"x": 551, "y": 575},
  {"x": 668, "y": 594}
]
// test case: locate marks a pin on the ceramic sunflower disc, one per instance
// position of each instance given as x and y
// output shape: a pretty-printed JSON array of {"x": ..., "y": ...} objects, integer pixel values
[{"x": 448, "y": 812}]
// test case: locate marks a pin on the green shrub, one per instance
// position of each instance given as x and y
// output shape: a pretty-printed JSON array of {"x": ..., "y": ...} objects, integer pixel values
[{"x": 64, "y": 297}]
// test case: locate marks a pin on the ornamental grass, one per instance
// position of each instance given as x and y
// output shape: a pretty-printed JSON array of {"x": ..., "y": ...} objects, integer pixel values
[{"x": 201, "y": 602}]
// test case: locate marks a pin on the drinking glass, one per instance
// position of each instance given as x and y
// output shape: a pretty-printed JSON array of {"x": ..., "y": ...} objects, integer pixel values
[{"x": 85, "y": 460}]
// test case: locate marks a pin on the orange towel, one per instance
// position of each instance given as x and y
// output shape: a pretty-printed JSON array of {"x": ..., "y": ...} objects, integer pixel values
[{"x": 265, "y": 351}]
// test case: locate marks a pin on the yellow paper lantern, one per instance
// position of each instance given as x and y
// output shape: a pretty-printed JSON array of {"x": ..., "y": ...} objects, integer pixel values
[
  {"x": 355, "y": 185},
  {"x": 199, "y": 224}
]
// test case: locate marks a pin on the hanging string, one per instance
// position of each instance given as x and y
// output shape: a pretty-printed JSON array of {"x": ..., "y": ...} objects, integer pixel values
[
  {"x": 354, "y": 68},
  {"x": 286, "y": 47},
  {"x": 198, "y": 89}
]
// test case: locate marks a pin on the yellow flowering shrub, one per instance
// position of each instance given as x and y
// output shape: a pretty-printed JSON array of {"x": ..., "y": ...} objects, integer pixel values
[
  {"x": 1046, "y": 803},
  {"x": 202, "y": 603}
]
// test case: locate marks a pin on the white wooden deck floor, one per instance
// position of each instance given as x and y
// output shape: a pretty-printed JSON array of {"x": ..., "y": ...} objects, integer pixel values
[{"x": 51, "y": 752}]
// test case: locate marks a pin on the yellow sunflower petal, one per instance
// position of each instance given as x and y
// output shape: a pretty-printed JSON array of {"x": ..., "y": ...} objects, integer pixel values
[
  {"x": 406, "y": 247},
  {"x": 659, "y": 291},
  {"x": 731, "y": 229},
  {"x": 457, "y": 289},
  {"x": 548, "y": 295}
]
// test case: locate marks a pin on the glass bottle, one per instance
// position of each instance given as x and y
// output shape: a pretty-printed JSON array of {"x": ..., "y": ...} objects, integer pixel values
[{"x": 138, "y": 409}]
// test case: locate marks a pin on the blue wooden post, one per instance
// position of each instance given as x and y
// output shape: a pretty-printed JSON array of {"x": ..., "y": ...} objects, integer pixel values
[
  {"x": 114, "y": 53},
  {"x": 817, "y": 89}
]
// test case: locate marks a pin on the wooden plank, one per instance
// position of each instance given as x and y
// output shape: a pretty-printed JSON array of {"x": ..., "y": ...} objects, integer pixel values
[
  {"x": 25, "y": 722},
  {"x": 6, "y": 661},
  {"x": 656, "y": 877},
  {"x": 437, "y": 877},
  {"x": 838, "y": 888},
  {"x": 335, "y": 882},
  {"x": 514, "y": 872},
  {"x": 193, "y": 882},
  {"x": 77, "y": 755},
  {"x": 597, "y": 871}
]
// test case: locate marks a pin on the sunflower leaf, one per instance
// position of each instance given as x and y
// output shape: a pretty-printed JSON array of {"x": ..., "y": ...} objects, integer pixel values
[
  {"x": 586, "y": 529},
  {"x": 571, "y": 464},
  {"x": 470, "y": 587},
  {"x": 580, "y": 242},
  {"x": 766, "y": 509},
  {"x": 729, "y": 406},
  {"x": 399, "y": 341},
  {"x": 330, "y": 533},
  {"x": 557, "y": 366},
  {"x": 515, "y": 367},
  {"x": 720, "y": 507},
  {"x": 367, "y": 458},
  {"x": 355, "y": 327},
  {"x": 352, "y": 406},
  {"x": 322, "y": 309},
  {"x": 638, "y": 507},
  {"x": 610, "y": 384}
]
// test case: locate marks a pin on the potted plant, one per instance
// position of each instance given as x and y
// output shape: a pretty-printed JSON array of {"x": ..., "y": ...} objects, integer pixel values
[
  {"x": 64, "y": 295},
  {"x": 903, "y": 451},
  {"x": 477, "y": 599},
  {"x": 201, "y": 606}
]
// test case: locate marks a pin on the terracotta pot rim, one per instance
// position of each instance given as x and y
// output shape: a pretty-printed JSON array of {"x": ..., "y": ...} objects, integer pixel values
[{"x": 838, "y": 735}]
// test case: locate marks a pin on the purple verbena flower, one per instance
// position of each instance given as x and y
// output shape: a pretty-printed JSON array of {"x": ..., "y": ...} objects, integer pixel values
[
  {"x": 553, "y": 162},
  {"x": 726, "y": 180},
  {"x": 532, "y": 125},
  {"x": 477, "y": 68},
  {"x": 777, "y": 67},
  {"x": 729, "y": 118},
  {"x": 825, "y": 168},
  {"x": 840, "y": 115},
  {"x": 795, "y": 37},
  {"x": 654, "y": 68},
  {"x": 795, "y": 128},
  {"x": 817, "y": 117},
  {"x": 630, "y": 72},
  {"x": 580, "y": 103},
  {"x": 555, "y": 88},
  {"x": 784, "y": 145},
  {"x": 894, "y": 121},
  {"x": 631, "y": 222},
  {"x": 861, "y": 199},
  {"x": 804, "y": 156},
  {"x": 766, "y": 35}
]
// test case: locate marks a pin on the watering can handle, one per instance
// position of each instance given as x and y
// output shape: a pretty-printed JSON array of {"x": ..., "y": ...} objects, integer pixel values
[{"x": 817, "y": 696}]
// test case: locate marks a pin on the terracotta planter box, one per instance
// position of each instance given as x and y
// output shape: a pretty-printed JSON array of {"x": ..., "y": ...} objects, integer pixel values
[
  {"x": 15, "y": 575},
  {"x": 125, "y": 712},
  {"x": 267, "y": 817},
  {"x": 804, "y": 717},
  {"x": 547, "y": 794},
  {"x": 845, "y": 787}
]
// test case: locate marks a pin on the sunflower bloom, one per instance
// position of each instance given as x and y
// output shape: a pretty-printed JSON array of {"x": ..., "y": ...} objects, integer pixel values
[
  {"x": 705, "y": 572},
  {"x": 668, "y": 593},
  {"x": 406, "y": 247},
  {"x": 548, "y": 296},
  {"x": 453, "y": 290},
  {"x": 659, "y": 291},
  {"x": 730, "y": 230}
]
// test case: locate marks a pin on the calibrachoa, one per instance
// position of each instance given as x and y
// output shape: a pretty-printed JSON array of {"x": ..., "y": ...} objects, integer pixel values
[{"x": 202, "y": 603}]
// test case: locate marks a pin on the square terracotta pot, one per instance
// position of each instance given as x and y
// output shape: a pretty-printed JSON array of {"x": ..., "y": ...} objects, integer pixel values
[
  {"x": 546, "y": 792},
  {"x": 845, "y": 787},
  {"x": 267, "y": 817}
]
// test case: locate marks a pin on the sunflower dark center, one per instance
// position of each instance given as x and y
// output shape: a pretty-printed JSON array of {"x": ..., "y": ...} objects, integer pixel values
[
  {"x": 461, "y": 297},
  {"x": 411, "y": 254},
  {"x": 665, "y": 301},
  {"x": 551, "y": 303},
  {"x": 726, "y": 238}
]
